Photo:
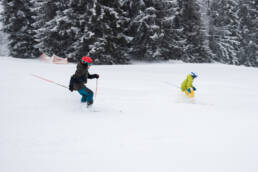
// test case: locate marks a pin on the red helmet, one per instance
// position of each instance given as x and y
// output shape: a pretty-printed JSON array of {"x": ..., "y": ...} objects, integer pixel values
[{"x": 86, "y": 60}]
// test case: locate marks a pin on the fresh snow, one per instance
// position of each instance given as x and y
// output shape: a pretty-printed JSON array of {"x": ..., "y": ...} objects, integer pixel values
[{"x": 140, "y": 122}]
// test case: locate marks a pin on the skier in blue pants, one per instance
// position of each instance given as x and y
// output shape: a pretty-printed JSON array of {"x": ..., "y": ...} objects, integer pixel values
[{"x": 79, "y": 79}]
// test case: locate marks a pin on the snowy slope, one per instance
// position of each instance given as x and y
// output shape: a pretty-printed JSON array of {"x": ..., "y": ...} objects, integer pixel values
[{"x": 141, "y": 121}]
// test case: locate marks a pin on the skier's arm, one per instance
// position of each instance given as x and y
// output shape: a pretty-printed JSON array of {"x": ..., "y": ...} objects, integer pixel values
[{"x": 93, "y": 76}]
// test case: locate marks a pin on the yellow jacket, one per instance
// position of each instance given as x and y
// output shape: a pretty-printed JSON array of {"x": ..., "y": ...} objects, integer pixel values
[{"x": 188, "y": 83}]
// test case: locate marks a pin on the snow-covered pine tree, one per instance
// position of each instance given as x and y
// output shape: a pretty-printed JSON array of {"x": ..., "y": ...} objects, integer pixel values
[
  {"x": 170, "y": 45},
  {"x": 3, "y": 44},
  {"x": 150, "y": 28},
  {"x": 79, "y": 14},
  {"x": 146, "y": 30},
  {"x": 3, "y": 41},
  {"x": 77, "y": 28},
  {"x": 173, "y": 43},
  {"x": 192, "y": 35},
  {"x": 108, "y": 23},
  {"x": 44, "y": 11},
  {"x": 55, "y": 35},
  {"x": 248, "y": 14},
  {"x": 132, "y": 9},
  {"x": 17, "y": 19},
  {"x": 223, "y": 30}
]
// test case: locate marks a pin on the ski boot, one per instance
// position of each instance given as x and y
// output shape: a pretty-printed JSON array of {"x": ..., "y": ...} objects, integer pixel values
[{"x": 89, "y": 104}]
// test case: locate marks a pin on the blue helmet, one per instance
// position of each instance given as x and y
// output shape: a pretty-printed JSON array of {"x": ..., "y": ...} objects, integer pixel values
[{"x": 193, "y": 75}]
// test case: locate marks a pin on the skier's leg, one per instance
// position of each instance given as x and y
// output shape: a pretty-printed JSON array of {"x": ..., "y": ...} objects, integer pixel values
[
  {"x": 83, "y": 93},
  {"x": 84, "y": 99},
  {"x": 87, "y": 95},
  {"x": 191, "y": 94}
]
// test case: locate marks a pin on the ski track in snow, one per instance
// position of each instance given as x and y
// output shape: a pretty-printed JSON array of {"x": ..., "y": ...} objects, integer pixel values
[{"x": 140, "y": 120}]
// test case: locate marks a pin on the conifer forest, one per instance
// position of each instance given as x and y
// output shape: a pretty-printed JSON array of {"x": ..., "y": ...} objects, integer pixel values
[{"x": 119, "y": 31}]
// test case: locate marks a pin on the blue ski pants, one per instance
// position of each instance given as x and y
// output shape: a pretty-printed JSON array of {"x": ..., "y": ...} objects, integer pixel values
[{"x": 87, "y": 95}]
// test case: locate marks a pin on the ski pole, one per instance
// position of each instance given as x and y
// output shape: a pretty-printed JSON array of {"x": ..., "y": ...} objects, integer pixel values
[
  {"x": 37, "y": 76},
  {"x": 96, "y": 91}
]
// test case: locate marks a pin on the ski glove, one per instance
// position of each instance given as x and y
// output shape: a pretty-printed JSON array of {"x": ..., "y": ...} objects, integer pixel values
[
  {"x": 194, "y": 88},
  {"x": 189, "y": 90},
  {"x": 95, "y": 76},
  {"x": 71, "y": 88}
]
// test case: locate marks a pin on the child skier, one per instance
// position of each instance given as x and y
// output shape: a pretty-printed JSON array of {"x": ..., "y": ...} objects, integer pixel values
[
  {"x": 187, "y": 85},
  {"x": 80, "y": 78}
]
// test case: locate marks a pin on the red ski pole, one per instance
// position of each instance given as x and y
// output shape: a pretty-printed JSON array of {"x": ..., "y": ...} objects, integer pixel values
[
  {"x": 96, "y": 91},
  {"x": 49, "y": 81}
]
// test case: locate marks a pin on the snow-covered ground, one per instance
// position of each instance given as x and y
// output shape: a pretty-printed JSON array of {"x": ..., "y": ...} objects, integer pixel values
[{"x": 140, "y": 122}]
